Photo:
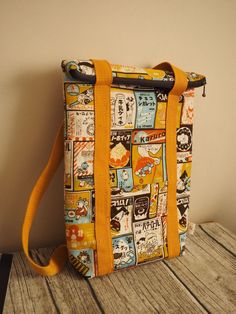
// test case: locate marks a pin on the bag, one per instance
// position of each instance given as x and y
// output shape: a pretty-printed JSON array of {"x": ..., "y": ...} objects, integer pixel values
[{"x": 127, "y": 163}]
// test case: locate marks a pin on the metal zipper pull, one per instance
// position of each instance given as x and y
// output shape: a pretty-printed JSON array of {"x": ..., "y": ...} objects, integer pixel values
[{"x": 204, "y": 91}]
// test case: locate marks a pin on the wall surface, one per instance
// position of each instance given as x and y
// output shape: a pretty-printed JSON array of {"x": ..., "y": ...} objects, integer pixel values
[{"x": 36, "y": 35}]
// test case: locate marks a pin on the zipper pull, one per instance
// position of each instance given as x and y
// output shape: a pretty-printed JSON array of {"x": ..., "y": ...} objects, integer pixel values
[{"x": 204, "y": 91}]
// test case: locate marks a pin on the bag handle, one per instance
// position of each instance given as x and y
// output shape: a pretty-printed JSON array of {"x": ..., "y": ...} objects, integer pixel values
[
  {"x": 180, "y": 85},
  {"x": 59, "y": 256}
]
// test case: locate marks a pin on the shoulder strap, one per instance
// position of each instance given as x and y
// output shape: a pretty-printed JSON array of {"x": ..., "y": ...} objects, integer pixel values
[{"x": 59, "y": 255}]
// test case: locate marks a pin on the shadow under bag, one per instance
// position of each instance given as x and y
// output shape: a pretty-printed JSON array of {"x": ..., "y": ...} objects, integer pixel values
[{"x": 127, "y": 136}]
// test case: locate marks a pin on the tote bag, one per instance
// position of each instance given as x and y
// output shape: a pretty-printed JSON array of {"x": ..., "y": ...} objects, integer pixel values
[{"x": 127, "y": 137}]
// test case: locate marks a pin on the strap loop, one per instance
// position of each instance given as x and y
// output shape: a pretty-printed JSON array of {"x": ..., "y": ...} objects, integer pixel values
[
  {"x": 59, "y": 255},
  {"x": 103, "y": 73}
]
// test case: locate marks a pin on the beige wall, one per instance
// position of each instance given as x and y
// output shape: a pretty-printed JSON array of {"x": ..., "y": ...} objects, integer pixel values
[{"x": 36, "y": 35}]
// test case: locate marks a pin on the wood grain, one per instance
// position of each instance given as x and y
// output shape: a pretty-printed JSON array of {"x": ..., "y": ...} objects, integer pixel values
[
  {"x": 30, "y": 293},
  {"x": 202, "y": 281},
  {"x": 209, "y": 272},
  {"x": 151, "y": 288},
  {"x": 220, "y": 234}
]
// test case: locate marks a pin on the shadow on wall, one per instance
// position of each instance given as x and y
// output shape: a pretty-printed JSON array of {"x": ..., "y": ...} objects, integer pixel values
[{"x": 38, "y": 114}]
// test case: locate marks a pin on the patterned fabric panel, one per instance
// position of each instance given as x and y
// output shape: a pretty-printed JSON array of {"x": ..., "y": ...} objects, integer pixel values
[
  {"x": 127, "y": 71},
  {"x": 138, "y": 175}
]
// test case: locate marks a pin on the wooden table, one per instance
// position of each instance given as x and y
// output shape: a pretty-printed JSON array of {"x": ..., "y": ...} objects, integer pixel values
[{"x": 202, "y": 281}]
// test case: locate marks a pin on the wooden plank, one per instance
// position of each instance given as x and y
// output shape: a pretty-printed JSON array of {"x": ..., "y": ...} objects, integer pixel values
[
  {"x": 209, "y": 271},
  {"x": 30, "y": 293},
  {"x": 151, "y": 288},
  {"x": 222, "y": 235},
  {"x": 204, "y": 280}
]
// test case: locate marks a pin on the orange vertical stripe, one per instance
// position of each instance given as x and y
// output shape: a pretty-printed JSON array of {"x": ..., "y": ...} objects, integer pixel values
[
  {"x": 101, "y": 166},
  {"x": 179, "y": 87}
]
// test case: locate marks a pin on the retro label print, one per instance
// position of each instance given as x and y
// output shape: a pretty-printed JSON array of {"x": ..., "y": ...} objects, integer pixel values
[
  {"x": 184, "y": 157},
  {"x": 163, "y": 187},
  {"x": 141, "y": 207},
  {"x": 153, "y": 200},
  {"x": 80, "y": 126},
  {"x": 117, "y": 192},
  {"x": 86, "y": 67},
  {"x": 184, "y": 138},
  {"x": 183, "y": 207},
  {"x": 123, "y": 251},
  {"x": 162, "y": 204},
  {"x": 161, "y": 97},
  {"x": 164, "y": 169},
  {"x": 146, "y": 109},
  {"x": 121, "y": 216},
  {"x": 182, "y": 238},
  {"x": 93, "y": 205},
  {"x": 179, "y": 110},
  {"x": 125, "y": 179},
  {"x": 127, "y": 70},
  {"x": 147, "y": 163},
  {"x": 148, "y": 136},
  {"x": 83, "y": 184},
  {"x": 164, "y": 232},
  {"x": 80, "y": 236},
  {"x": 188, "y": 108},
  {"x": 113, "y": 178},
  {"x": 148, "y": 237},
  {"x": 123, "y": 109},
  {"x": 183, "y": 179},
  {"x": 137, "y": 190},
  {"x": 79, "y": 97},
  {"x": 64, "y": 124},
  {"x": 120, "y": 149},
  {"x": 78, "y": 207},
  {"x": 83, "y": 261},
  {"x": 68, "y": 163},
  {"x": 83, "y": 165}
]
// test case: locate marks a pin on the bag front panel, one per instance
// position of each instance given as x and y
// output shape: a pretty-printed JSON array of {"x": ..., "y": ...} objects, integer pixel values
[{"x": 138, "y": 174}]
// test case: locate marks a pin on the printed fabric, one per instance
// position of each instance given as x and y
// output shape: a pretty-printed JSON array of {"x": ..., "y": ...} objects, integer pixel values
[{"x": 138, "y": 174}]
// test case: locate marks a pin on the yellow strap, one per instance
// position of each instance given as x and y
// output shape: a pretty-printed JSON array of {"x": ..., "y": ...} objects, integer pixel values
[
  {"x": 59, "y": 255},
  {"x": 180, "y": 85},
  {"x": 101, "y": 166}
]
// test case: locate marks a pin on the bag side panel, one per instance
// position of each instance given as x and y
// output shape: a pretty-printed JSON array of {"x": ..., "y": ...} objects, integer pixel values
[{"x": 138, "y": 176}]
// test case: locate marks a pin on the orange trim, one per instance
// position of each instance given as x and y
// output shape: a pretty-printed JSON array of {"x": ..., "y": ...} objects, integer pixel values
[
  {"x": 179, "y": 87},
  {"x": 105, "y": 261},
  {"x": 59, "y": 256}
]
